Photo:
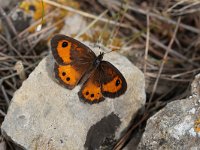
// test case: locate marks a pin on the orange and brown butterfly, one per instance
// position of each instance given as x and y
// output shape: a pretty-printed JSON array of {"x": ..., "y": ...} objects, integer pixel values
[{"x": 77, "y": 64}]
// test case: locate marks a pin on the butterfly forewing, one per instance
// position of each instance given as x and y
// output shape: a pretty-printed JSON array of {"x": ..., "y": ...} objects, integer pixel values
[{"x": 67, "y": 50}]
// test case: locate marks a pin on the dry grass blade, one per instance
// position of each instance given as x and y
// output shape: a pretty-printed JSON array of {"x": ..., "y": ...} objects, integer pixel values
[
  {"x": 171, "y": 51},
  {"x": 124, "y": 139},
  {"x": 85, "y": 14},
  {"x": 147, "y": 45},
  {"x": 91, "y": 24},
  {"x": 15, "y": 74},
  {"x": 185, "y": 73},
  {"x": 184, "y": 7},
  {"x": 163, "y": 62},
  {"x": 12, "y": 47},
  {"x": 2, "y": 113},
  {"x": 175, "y": 5},
  {"x": 5, "y": 95},
  {"x": 162, "y": 18}
]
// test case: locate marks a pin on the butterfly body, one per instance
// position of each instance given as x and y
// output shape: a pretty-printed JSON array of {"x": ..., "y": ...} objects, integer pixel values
[
  {"x": 98, "y": 60},
  {"x": 77, "y": 64}
]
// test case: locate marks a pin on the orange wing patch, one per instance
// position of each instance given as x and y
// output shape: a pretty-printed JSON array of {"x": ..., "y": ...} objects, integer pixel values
[
  {"x": 113, "y": 86},
  {"x": 91, "y": 92},
  {"x": 67, "y": 75},
  {"x": 63, "y": 50}
]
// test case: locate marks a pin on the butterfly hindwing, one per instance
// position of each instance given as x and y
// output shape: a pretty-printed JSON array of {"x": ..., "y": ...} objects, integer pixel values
[
  {"x": 113, "y": 84},
  {"x": 67, "y": 75},
  {"x": 105, "y": 81},
  {"x": 91, "y": 89}
]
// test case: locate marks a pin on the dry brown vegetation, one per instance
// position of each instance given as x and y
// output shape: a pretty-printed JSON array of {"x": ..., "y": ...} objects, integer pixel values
[{"x": 160, "y": 37}]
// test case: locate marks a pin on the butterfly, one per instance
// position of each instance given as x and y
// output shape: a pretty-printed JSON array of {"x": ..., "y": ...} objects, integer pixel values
[{"x": 76, "y": 63}]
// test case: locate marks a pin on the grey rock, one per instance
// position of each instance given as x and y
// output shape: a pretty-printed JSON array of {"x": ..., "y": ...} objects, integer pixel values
[
  {"x": 177, "y": 126},
  {"x": 45, "y": 115}
]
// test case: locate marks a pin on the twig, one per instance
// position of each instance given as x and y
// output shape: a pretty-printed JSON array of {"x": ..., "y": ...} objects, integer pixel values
[
  {"x": 184, "y": 11},
  {"x": 12, "y": 47},
  {"x": 2, "y": 113},
  {"x": 171, "y": 51},
  {"x": 5, "y": 95},
  {"x": 167, "y": 78},
  {"x": 184, "y": 73},
  {"x": 175, "y": 5},
  {"x": 14, "y": 74},
  {"x": 168, "y": 20}
]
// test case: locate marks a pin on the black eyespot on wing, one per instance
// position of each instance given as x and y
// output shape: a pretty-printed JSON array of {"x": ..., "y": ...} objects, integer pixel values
[
  {"x": 63, "y": 73},
  {"x": 117, "y": 82},
  {"x": 64, "y": 44}
]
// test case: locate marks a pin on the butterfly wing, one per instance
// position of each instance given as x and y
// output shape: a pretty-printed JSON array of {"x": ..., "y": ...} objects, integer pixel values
[
  {"x": 67, "y": 50},
  {"x": 113, "y": 83},
  {"x": 91, "y": 89},
  {"x": 73, "y": 60},
  {"x": 105, "y": 81},
  {"x": 68, "y": 75}
]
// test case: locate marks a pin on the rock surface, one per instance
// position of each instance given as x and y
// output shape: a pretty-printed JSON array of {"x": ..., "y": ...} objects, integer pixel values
[
  {"x": 177, "y": 126},
  {"x": 45, "y": 115}
]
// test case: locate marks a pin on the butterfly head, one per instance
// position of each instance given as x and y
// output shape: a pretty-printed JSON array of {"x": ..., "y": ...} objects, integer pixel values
[
  {"x": 100, "y": 56},
  {"x": 98, "y": 59}
]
